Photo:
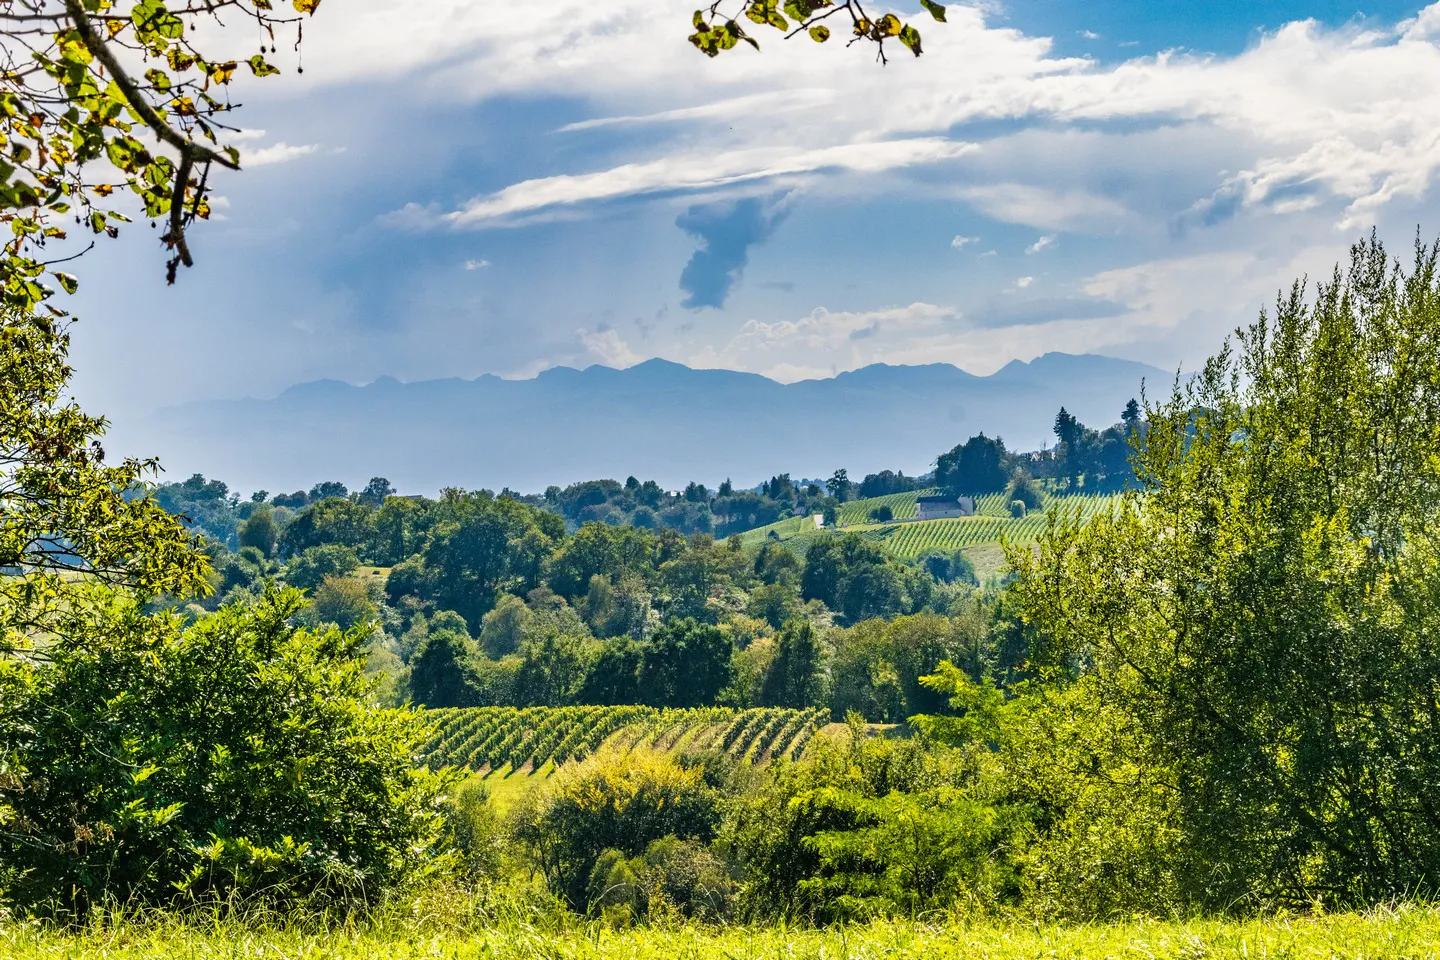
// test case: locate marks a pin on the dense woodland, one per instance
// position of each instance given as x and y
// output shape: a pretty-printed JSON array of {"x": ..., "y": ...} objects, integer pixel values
[{"x": 589, "y": 595}]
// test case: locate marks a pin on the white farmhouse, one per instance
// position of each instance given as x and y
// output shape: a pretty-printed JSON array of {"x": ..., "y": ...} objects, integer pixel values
[{"x": 941, "y": 507}]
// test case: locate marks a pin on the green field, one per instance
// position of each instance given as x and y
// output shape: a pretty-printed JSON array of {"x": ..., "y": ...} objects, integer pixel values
[
  {"x": 453, "y": 930},
  {"x": 908, "y": 538}
]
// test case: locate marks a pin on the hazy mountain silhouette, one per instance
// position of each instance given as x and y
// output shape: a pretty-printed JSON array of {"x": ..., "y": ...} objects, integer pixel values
[{"x": 656, "y": 420}]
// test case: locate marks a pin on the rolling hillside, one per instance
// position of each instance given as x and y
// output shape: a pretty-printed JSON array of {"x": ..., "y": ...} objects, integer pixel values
[{"x": 909, "y": 539}]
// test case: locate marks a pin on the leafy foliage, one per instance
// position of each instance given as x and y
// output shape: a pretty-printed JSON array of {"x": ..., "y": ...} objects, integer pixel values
[
  {"x": 1260, "y": 614},
  {"x": 149, "y": 763}
]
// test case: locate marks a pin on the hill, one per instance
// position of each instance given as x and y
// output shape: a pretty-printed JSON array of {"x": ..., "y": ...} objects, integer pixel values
[
  {"x": 656, "y": 419},
  {"x": 908, "y": 538}
]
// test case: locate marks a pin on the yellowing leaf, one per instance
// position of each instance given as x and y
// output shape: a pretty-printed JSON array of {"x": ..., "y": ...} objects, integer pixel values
[
  {"x": 819, "y": 33},
  {"x": 887, "y": 26},
  {"x": 222, "y": 72},
  {"x": 306, "y": 6},
  {"x": 911, "y": 38}
]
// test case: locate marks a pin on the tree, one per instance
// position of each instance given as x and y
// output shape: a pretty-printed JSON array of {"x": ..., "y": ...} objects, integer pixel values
[
  {"x": 839, "y": 485},
  {"x": 552, "y": 668},
  {"x": 685, "y": 664},
  {"x": 882, "y": 514},
  {"x": 308, "y": 569},
  {"x": 328, "y": 521},
  {"x": 440, "y": 670},
  {"x": 328, "y": 489},
  {"x": 376, "y": 491},
  {"x": 64, "y": 513},
  {"x": 796, "y": 676},
  {"x": 979, "y": 465},
  {"x": 343, "y": 601},
  {"x": 259, "y": 531},
  {"x": 716, "y": 33},
  {"x": 1130, "y": 416},
  {"x": 73, "y": 102},
  {"x": 1262, "y": 613},
  {"x": 1024, "y": 488},
  {"x": 503, "y": 628}
]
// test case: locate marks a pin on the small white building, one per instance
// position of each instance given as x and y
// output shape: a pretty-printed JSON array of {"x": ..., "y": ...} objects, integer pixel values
[
  {"x": 941, "y": 507},
  {"x": 819, "y": 520}
]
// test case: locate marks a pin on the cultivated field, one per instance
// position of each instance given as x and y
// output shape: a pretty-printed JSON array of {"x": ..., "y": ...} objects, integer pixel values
[
  {"x": 909, "y": 539},
  {"x": 486, "y": 739}
]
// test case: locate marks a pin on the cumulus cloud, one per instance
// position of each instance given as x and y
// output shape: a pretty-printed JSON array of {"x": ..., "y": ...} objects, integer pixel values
[
  {"x": 960, "y": 241},
  {"x": 1349, "y": 112},
  {"x": 1046, "y": 241},
  {"x": 1023, "y": 282},
  {"x": 476, "y": 264},
  {"x": 609, "y": 348}
]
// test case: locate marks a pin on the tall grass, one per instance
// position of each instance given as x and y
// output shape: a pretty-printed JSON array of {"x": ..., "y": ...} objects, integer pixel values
[{"x": 460, "y": 932}]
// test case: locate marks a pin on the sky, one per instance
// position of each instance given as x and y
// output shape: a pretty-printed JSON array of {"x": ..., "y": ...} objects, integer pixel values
[{"x": 464, "y": 187}]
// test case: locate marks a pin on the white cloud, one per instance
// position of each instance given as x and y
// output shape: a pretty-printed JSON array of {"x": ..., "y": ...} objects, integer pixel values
[
  {"x": 960, "y": 241},
  {"x": 480, "y": 264},
  {"x": 1046, "y": 241},
  {"x": 1046, "y": 208},
  {"x": 699, "y": 172},
  {"x": 609, "y": 348},
  {"x": 281, "y": 152},
  {"x": 1344, "y": 112},
  {"x": 1023, "y": 282}
]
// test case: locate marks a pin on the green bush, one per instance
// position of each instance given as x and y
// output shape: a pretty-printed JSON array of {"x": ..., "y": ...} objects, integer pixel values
[
  {"x": 873, "y": 827},
  {"x": 146, "y": 763},
  {"x": 613, "y": 801}
]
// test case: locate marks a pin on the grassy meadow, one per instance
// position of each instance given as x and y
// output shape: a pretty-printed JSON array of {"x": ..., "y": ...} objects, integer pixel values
[{"x": 1409, "y": 932}]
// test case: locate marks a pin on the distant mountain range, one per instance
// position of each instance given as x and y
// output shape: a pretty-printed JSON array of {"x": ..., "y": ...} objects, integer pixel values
[{"x": 657, "y": 420}]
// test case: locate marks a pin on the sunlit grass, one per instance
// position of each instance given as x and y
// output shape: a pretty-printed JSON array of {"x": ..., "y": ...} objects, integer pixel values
[{"x": 1408, "y": 932}]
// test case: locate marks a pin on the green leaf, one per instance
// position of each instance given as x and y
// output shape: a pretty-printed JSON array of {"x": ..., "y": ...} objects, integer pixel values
[
  {"x": 259, "y": 67},
  {"x": 819, "y": 33},
  {"x": 911, "y": 38},
  {"x": 67, "y": 282},
  {"x": 937, "y": 10}
]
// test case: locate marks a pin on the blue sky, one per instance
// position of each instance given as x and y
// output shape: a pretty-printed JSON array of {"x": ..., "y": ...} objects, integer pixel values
[{"x": 467, "y": 186}]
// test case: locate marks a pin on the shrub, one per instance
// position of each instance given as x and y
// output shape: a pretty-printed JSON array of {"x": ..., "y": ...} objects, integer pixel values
[
  {"x": 1017, "y": 509},
  {"x": 1024, "y": 488},
  {"x": 149, "y": 763},
  {"x": 613, "y": 801},
  {"x": 883, "y": 513}
]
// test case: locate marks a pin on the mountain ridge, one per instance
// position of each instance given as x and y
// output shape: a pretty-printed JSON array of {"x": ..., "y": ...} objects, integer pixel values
[{"x": 657, "y": 419}]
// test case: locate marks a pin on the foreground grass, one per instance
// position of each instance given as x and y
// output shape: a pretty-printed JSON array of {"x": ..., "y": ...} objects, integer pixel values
[{"x": 1403, "y": 933}]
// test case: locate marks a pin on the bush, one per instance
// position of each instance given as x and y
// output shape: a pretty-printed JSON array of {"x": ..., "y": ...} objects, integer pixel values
[
  {"x": 1017, "y": 509},
  {"x": 882, "y": 514},
  {"x": 613, "y": 801},
  {"x": 150, "y": 763},
  {"x": 872, "y": 827},
  {"x": 1024, "y": 488}
]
